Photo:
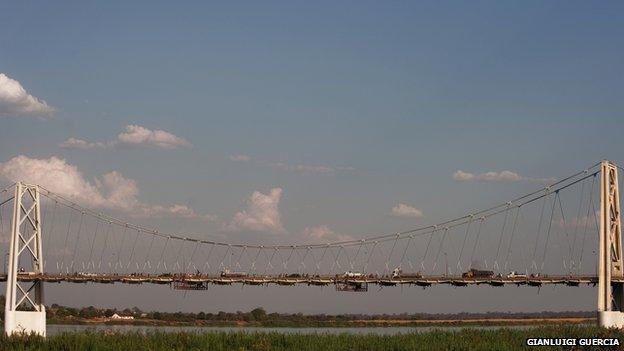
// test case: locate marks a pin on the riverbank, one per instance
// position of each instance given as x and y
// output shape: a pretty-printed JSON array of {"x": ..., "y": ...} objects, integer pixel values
[
  {"x": 258, "y": 317},
  {"x": 465, "y": 339}
]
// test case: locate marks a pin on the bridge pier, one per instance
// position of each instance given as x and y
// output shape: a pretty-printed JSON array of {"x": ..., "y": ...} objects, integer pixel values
[
  {"x": 610, "y": 265},
  {"x": 24, "y": 311}
]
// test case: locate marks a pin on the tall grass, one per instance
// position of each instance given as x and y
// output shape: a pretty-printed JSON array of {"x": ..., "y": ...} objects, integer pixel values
[{"x": 466, "y": 339}]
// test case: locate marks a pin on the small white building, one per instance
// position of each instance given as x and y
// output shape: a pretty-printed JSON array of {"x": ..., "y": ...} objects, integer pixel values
[{"x": 116, "y": 316}]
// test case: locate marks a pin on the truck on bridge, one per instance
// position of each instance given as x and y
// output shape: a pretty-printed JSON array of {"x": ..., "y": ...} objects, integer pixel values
[
  {"x": 398, "y": 273},
  {"x": 478, "y": 273},
  {"x": 514, "y": 274},
  {"x": 226, "y": 273}
]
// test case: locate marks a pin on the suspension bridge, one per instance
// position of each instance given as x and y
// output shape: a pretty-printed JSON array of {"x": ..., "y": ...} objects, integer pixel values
[{"x": 566, "y": 233}]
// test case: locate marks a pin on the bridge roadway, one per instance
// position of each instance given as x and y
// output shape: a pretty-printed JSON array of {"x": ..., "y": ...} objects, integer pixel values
[{"x": 204, "y": 280}]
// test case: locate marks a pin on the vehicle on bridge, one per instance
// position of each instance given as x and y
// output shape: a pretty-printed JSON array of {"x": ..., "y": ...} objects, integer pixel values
[
  {"x": 350, "y": 274},
  {"x": 514, "y": 274},
  {"x": 23, "y": 272},
  {"x": 398, "y": 273},
  {"x": 478, "y": 273},
  {"x": 226, "y": 273}
]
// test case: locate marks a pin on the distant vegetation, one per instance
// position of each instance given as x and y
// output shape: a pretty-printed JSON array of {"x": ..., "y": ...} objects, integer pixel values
[
  {"x": 259, "y": 317},
  {"x": 466, "y": 339}
]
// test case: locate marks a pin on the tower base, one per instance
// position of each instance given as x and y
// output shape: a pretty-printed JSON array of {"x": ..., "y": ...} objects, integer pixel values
[
  {"x": 611, "y": 319},
  {"x": 25, "y": 322}
]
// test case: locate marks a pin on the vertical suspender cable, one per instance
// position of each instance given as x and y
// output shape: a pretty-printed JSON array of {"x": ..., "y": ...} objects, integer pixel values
[
  {"x": 77, "y": 240},
  {"x": 391, "y": 252},
  {"x": 422, "y": 262},
  {"x": 577, "y": 225},
  {"x": 146, "y": 263},
  {"x": 589, "y": 208},
  {"x": 461, "y": 251},
  {"x": 105, "y": 246},
  {"x": 191, "y": 258},
  {"x": 207, "y": 264},
  {"x": 136, "y": 237},
  {"x": 409, "y": 241},
  {"x": 47, "y": 247},
  {"x": 253, "y": 263},
  {"x": 178, "y": 257},
  {"x": 89, "y": 262},
  {"x": 474, "y": 247},
  {"x": 552, "y": 212},
  {"x": 440, "y": 250},
  {"x": 123, "y": 239},
  {"x": 162, "y": 254},
  {"x": 318, "y": 263},
  {"x": 500, "y": 240},
  {"x": 539, "y": 230},
  {"x": 513, "y": 232},
  {"x": 66, "y": 237},
  {"x": 352, "y": 262},
  {"x": 369, "y": 257},
  {"x": 563, "y": 225}
]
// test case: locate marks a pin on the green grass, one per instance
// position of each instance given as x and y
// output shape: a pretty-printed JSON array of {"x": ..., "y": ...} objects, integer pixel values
[{"x": 466, "y": 339}]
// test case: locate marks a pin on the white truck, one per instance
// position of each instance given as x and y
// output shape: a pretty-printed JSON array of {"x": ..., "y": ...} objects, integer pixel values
[
  {"x": 226, "y": 273},
  {"x": 514, "y": 274}
]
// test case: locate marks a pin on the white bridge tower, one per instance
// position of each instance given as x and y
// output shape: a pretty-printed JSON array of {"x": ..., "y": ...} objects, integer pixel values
[
  {"x": 24, "y": 311},
  {"x": 610, "y": 264}
]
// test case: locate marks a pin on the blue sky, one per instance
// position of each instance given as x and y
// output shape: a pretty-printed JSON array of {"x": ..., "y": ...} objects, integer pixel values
[{"x": 350, "y": 108}]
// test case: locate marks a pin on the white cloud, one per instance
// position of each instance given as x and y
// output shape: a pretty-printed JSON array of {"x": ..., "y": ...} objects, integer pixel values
[
  {"x": 261, "y": 215},
  {"x": 239, "y": 158},
  {"x": 301, "y": 169},
  {"x": 133, "y": 135},
  {"x": 73, "y": 143},
  {"x": 589, "y": 222},
  {"x": 182, "y": 210},
  {"x": 175, "y": 210},
  {"x": 502, "y": 176},
  {"x": 304, "y": 169},
  {"x": 122, "y": 192},
  {"x": 463, "y": 176},
  {"x": 15, "y": 100},
  {"x": 56, "y": 175},
  {"x": 111, "y": 191},
  {"x": 137, "y": 135},
  {"x": 322, "y": 233},
  {"x": 406, "y": 211}
]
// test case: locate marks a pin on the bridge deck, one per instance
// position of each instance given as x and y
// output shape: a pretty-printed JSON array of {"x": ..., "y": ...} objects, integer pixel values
[{"x": 423, "y": 281}]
